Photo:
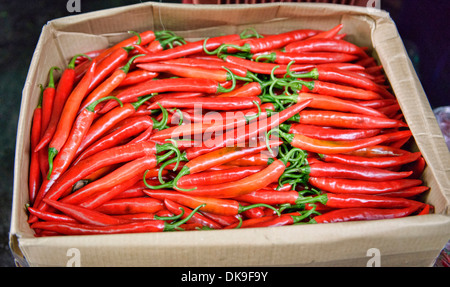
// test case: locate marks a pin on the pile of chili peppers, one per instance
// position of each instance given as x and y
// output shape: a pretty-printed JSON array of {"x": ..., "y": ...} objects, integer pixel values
[{"x": 157, "y": 133}]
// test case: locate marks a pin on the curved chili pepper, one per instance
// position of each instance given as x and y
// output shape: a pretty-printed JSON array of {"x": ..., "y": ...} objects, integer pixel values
[
  {"x": 407, "y": 192},
  {"x": 265, "y": 68},
  {"x": 35, "y": 175},
  {"x": 48, "y": 98},
  {"x": 137, "y": 76},
  {"x": 50, "y": 216},
  {"x": 176, "y": 208},
  {"x": 267, "y": 43},
  {"x": 259, "y": 159},
  {"x": 120, "y": 154},
  {"x": 69, "y": 113},
  {"x": 333, "y": 32},
  {"x": 108, "y": 120},
  {"x": 285, "y": 219},
  {"x": 348, "y": 120},
  {"x": 219, "y": 74},
  {"x": 143, "y": 38},
  {"x": 330, "y": 103},
  {"x": 379, "y": 151},
  {"x": 109, "y": 84},
  {"x": 63, "y": 90},
  {"x": 209, "y": 103},
  {"x": 131, "y": 205},
  {"x": 358, "y": 214},
  {"x": 132, "y": 93},
  {"x": 239, "y": 187},
  {"x": 313, "y": 58},
  {"x": 212, "y": 205},
  {"x": 340, "y": 185},
  {"x": 325, "y": 45},
  {"x": 223, "y": 220},
  {"x": 333, "y": 75},
  {"x": 329, "y": 147},
  {"x": 85, "y": 215},
  {"x": 337, "y": 170},
  {"x": 252, "y": 130},
  {"x": 331, "y": 134},
  {"x": 134, "y": 227},
  {"x": 336, "y": 90},
  {"x": 215, "y": 64},
  {"x": 251, "y": 221},
  {"x": 187, "y": 49},
  {"x": 135, "y": 126},
  {"x": 122, "y": 174},
  {"x": 379, "y": 162},
  {"x": 80, "y": 127},
  {"x": 215, "y": 158}
]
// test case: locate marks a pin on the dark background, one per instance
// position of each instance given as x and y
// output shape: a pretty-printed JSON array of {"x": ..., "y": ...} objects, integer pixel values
[{"x": 423, "y": 25}]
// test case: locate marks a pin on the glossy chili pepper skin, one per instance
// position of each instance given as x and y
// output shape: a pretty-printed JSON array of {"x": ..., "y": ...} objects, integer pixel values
[
  {"x": 188, "y": 49},
  {"x": 336, "y": 170},
  {"x": 35, "y": 175},
  {"x": 50, "y": 216},
  {"x": 265, "y": 68},
  {"x": 130, "y": 206},
  {"x": 340, "y": 185},
  {"x": 132, "y": 93},
  {"x": 137, "y": 166},
  {"x": 340, "y": 91},
  {"x": 325, "y": 45},
  {"x": 209, "y": 103},
  {"x": 358, "y": 214},
  {"x": 137, "y": 76},
  {"x": 380, "y": 162},
  {"x": 246, "y": 185},
  {"x": 314, "y": 58},
  {"x": 84, "y": 215},
  {"x": 209, "y": 64},
  {"x": 69, "y": 113},
  {"x": 331, "y": 134}
]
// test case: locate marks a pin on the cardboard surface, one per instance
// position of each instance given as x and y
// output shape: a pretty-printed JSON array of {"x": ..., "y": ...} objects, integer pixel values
[{"x": 412, "y": 241}]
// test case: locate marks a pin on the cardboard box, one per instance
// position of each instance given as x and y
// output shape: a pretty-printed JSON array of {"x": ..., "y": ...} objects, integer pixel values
[{"x": 411, "y": 241}]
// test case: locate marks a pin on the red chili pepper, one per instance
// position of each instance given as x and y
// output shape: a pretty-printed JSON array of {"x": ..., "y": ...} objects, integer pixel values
[
  {"x": 215, "y": 64},
  {"x": 333, "y": 32},
  {"x": 259, "y": 159},
  {"x": 330, "y": 147},
  {"x": 187, "y": 49},
  {"x": 267, "y": 43},
  {"x": 252, "y": 130},
  {"x": 131, "y": 205},
  {"x": 217, "y": 176},
  {"x": 312, "y": 58},
  {"x": 132, "y": 128},
  {"x": 337, "y": 90},
  {"x": 265, "y": 68},
  {"x": 284, "y": 219},
  {"x": 239, "y": 187},
  {"x": 134, "y": 227},
  {"x": 137, "y": 76},
  {"x": 331, "y": 134},
  {"x": 35, "y": 175},
  {"x": 212, "y": 205},
  {"x": 50, "y": 216},
  {"x": 132, "y": 93},
  {"x": 69, "y": 113},
  {"x": 209, "y": 103},
  {"x": 380, "y": 162},
  {"x": 333, "y": 75},
  {"x": 216, "y": 158},
  {"x": 63, "y": 90},
  {"x": 358, "y": 214},
  {"x": 338, "y": 170},
  {"x": 250, "y": 222},
  {"x": 122, "y": 174},
  {"x": 85, "y": 215},
  {"x": 341, "y": 185},
  {"x": 67, "y": 153},
  {"x": 107, "y": 86},
  {"x": 407, "y": 193},
  {"x": 325, "y": 45},
  {"x": 330, "y": 103},
  {"x": 379, "y": 151},
  {"x": 143, "y": 38},
  {"x": 223, "y": 220},
  {"x": 108, "y": 120},
  {"x": 185, "y": 71},
  {"x": 120, "y": 154},
  {"x": 347, "y": 120}
]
